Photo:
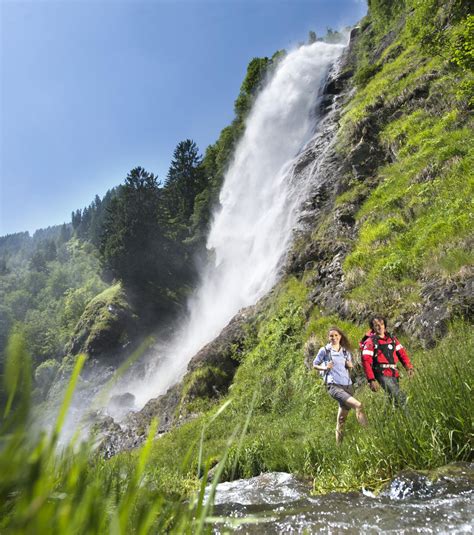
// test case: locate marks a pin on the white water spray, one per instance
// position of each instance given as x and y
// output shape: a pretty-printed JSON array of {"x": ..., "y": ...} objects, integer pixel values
[{"x": 251, "y": 232}]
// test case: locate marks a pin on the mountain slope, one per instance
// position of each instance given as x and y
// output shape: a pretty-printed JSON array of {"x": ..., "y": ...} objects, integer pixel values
[{"x": 390, "y": 232}]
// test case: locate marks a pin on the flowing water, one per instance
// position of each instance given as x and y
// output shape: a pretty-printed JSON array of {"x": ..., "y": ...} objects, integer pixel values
[
  {"x": 259, "y": 205},
  {"x": 275, "y": 503}
]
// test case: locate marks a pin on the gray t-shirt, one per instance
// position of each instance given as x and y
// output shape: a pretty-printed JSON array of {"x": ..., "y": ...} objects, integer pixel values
[{"x": 339, "y": 374}]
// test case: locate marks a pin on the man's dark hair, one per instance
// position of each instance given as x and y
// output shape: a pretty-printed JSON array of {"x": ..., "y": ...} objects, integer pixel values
[{"x": 379, "y": 318}]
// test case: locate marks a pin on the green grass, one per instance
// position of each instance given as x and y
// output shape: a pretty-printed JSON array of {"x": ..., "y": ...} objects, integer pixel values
[
  {"x": 293, "y": 419},
  {"x": 48, "y": 489},
  {"x": 418, "y": 221},
  {"x": 404, "y": 72}
]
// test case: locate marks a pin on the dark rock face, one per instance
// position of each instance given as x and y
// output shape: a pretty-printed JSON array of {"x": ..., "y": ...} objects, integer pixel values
[
  {"x": 222, "y": 353},
  {"x": 324, "y": 252},
  {"x": 443, "y": 300},
  {"x": 132, "y": 432},
  {"x": 112, "y": 438}
]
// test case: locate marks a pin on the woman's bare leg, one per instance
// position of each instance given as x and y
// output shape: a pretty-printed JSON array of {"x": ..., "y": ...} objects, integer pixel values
[
  {"x": 341, "y": 420},
  {"x": 360, "y": 414}
]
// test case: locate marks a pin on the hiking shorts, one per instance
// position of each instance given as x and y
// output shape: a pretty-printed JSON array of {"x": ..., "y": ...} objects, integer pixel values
[{"x": 341, "y": 393}]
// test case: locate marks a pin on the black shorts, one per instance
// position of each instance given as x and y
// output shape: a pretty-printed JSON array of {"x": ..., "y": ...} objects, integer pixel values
[{"x": 341, "y": 393}]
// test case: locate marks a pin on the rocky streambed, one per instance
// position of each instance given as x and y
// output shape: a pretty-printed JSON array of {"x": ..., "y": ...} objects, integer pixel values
[{"x": 413, "y": 502}]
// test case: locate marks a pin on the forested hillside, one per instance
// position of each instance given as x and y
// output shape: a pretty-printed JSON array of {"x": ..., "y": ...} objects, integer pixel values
[
  {"x": 388, "y": 231},
  {"x": 141, "y": 242}
]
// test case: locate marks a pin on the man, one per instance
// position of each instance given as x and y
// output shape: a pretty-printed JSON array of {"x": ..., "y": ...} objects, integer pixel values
[{"x": 380, "y": 353}]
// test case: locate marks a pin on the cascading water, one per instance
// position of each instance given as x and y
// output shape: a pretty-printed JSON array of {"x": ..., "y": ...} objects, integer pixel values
[{"x": 259, "y": 202}]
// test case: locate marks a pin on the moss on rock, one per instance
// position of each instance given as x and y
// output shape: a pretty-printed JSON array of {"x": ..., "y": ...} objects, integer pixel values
[{"x": 107, "y": 324}]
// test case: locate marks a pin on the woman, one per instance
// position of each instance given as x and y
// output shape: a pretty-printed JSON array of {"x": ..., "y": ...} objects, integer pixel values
[{"x": 334, "y": 362}]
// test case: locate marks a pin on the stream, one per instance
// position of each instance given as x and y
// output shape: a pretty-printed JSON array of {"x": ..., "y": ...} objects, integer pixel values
[{"x": 278, "y": 502}]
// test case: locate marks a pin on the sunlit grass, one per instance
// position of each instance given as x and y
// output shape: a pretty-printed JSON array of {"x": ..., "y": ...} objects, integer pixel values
[
  {"x": 293, "y": 418},
  {"x": 419, "y": 218}
]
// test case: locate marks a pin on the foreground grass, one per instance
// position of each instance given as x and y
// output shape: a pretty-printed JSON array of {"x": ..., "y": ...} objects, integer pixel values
[{"x": 45, "y": 489}]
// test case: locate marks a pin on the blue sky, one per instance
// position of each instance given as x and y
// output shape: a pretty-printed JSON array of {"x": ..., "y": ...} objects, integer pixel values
[{"x": 92, "y": 88}]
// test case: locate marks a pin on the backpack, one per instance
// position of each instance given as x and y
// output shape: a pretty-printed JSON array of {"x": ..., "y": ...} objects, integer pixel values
[
  {"x": 358, "y": 373},
  {"x": 375, "y": 363}
]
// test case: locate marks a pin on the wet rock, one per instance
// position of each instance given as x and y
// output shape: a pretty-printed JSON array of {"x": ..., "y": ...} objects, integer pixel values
[
  {"x": 223, "y": 351},
  {"x": 163, "y": 408},
  {"x": 409, "y": 485},
  {"x": 423, "y": 484},
  {"x": 268, "y": 488},
  {"x": 113, "y": 438},
  {"x": 122, "y": 401},
  {"x": 211, "y": 370},
  {"x": 337, "y": 84}
]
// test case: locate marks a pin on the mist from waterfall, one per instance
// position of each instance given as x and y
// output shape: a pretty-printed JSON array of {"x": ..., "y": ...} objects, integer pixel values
[{"x": 259, "y": 202}]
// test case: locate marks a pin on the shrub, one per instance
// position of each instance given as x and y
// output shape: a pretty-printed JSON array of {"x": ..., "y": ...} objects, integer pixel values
[{"x": 45, "y": 374}]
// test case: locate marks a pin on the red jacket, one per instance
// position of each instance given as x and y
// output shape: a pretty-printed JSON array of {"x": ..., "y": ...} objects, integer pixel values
[{"x": 396, "y": 349}]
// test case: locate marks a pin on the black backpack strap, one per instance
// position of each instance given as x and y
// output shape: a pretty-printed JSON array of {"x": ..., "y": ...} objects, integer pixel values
[
  {"x": 375, "y": 360},
  {"x": 328, "y": 353},
  {"x": 391, "y": 354},
  {"x": 328, "y": 359}
]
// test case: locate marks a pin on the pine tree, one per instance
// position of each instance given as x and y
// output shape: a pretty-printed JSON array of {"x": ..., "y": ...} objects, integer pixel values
[
  {"x": 184, "y": 181},
  {"x": 134, "y": 246},
  {"x": 76, "y": 219}
]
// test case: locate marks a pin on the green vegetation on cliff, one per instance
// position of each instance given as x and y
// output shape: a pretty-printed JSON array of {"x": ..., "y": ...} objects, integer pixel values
[
  {"x": 292, "y": 418},
  {"x": 411, "y": 225},
  {"x": 413, "y": 241},
  {"x": 415, "y": 212}
]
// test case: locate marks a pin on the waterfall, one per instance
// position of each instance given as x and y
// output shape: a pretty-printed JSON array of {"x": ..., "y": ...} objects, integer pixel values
[{"x": 259, "y": 204}]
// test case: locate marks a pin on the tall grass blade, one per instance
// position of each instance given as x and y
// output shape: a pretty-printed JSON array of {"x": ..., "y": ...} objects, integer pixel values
[
  {"x": 15, "y": 367},
  {"x": 69, "y": 393},
  {"x": 243, "y": 433}
]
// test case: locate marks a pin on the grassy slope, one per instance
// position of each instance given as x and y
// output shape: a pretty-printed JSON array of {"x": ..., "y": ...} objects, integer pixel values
[
  {"x": 414, "y": 225},
  {"x": 292, "y": 419},
  {"x": 417, "y": 218}
]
